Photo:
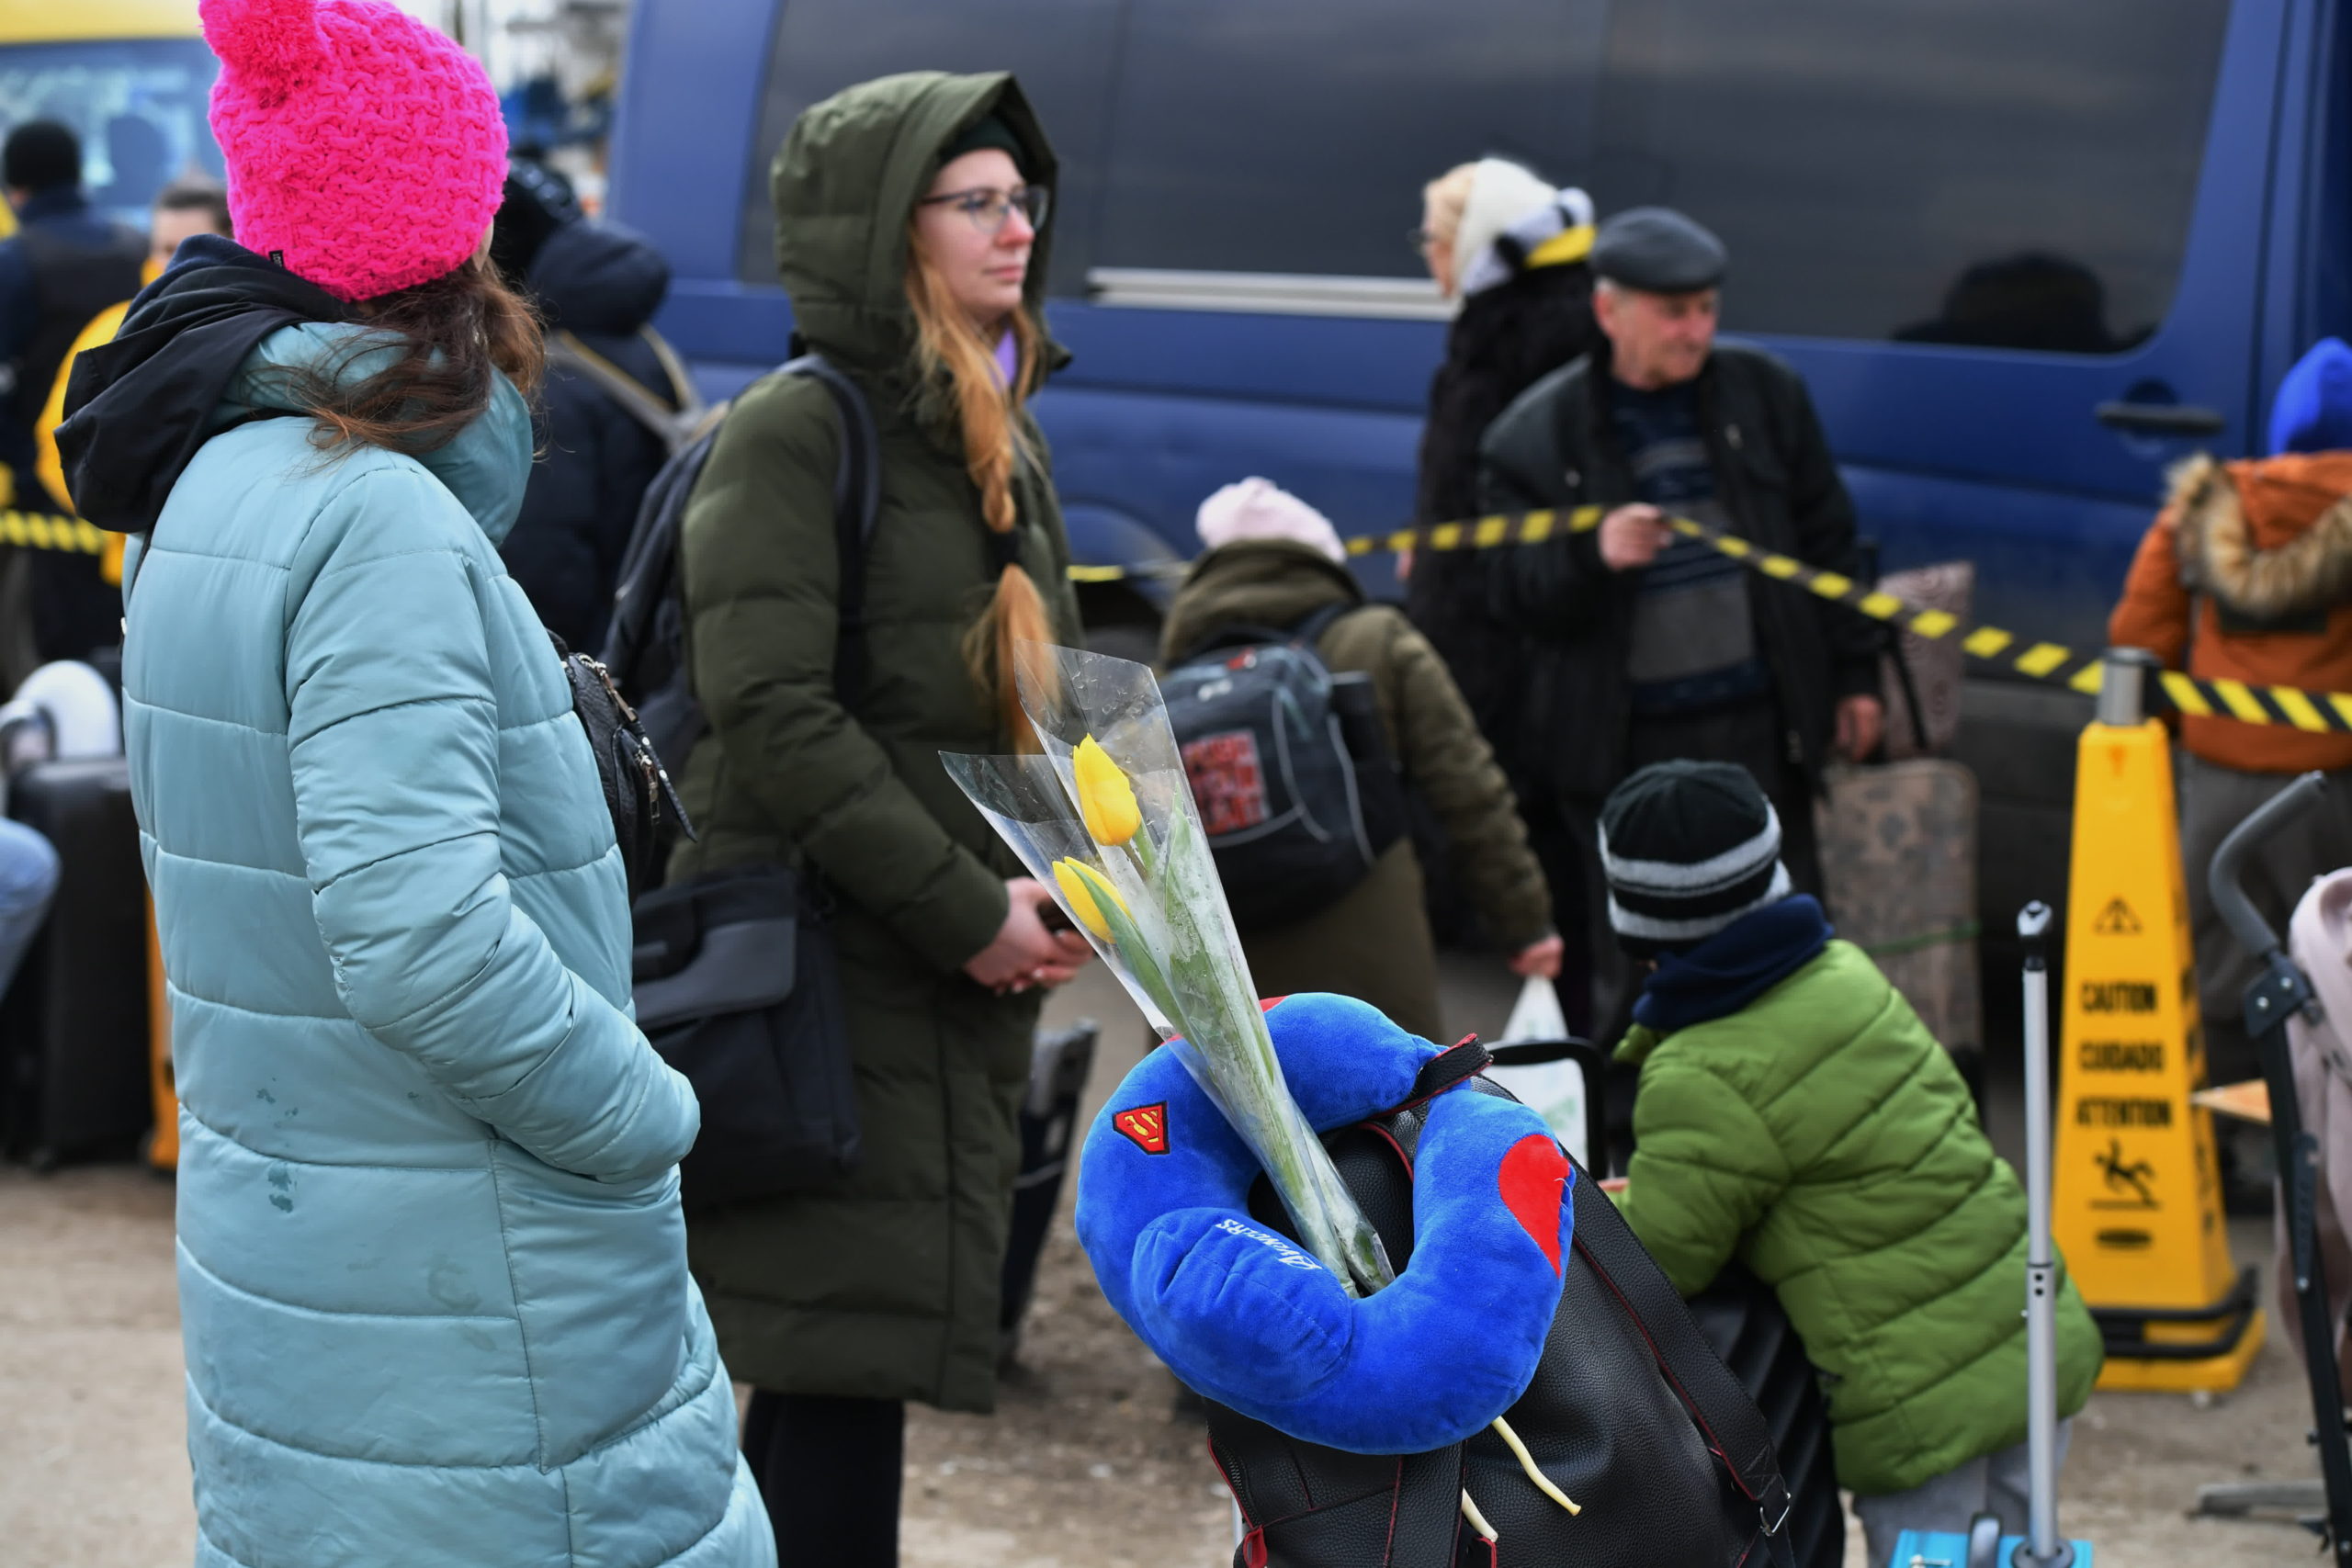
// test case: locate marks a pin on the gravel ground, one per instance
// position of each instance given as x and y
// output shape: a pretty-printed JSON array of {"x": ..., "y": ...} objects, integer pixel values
[{"x": 1085, "y": 1461}]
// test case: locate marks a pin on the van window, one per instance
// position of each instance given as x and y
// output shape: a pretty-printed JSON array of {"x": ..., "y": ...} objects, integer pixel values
[
  {"x": 1296, "y": 138},
  {"x": 2008, "y": 173},
  {"x": 1060, "y": 49},
  {"x": 138, "y": 105}
]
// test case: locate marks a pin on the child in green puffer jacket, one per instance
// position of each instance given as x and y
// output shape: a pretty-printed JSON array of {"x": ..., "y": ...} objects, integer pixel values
[{"x": 1795, "y": 1114}]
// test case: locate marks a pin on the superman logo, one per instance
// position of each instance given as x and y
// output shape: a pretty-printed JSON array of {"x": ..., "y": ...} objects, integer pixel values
[{"x": 1145, "y": 1126}]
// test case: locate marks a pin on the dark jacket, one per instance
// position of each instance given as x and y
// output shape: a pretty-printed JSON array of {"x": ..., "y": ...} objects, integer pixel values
[
  {"x": 1555, "y": 447},
  {"x": 602, "y": 284},
  {"x": 1374, "y": 942},
  {"x": 886, "y": 1284},
  {"x": 1503, "y": 338}
]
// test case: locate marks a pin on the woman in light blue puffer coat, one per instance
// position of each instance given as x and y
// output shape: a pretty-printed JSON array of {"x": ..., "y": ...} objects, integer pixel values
[{"x": 433, "y": 1275}]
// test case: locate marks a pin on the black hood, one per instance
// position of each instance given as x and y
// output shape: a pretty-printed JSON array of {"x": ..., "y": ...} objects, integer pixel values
[
  {"x": 598, "y": 278},
  {"x": 138, "y": 408}
]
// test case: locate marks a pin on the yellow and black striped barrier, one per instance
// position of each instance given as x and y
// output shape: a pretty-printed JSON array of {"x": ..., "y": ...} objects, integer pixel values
[
  {"x": 51, "y": 531},
  {"x": 2319, "y": 712}
]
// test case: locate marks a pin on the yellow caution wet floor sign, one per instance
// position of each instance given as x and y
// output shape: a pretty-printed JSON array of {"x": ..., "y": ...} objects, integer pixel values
[{"x": 2138, "y": 1196}]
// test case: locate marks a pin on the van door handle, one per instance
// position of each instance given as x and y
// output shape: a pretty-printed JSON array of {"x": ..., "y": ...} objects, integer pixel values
[{"x": 2162, "y": 418}]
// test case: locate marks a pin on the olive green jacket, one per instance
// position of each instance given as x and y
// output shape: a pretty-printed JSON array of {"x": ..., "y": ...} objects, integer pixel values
[
  {"x": 885, "y": 1285},
  {"x": 1374, "y": 942},
  {"x": 1821, "y": 1136}
]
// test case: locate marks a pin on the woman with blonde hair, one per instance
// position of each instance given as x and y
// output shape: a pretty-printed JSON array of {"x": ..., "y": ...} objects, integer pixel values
[{"x": 910, "y": 234}]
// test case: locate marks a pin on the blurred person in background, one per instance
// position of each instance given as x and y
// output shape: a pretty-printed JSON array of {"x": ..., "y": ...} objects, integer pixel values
[
  {"x": 27, "y": 883},
  {"x": 65, "y": 264},
  {"x": 180, "y": 212},
  {"x": 912, "y": 220},
  {"x": 1514, "y": 251},
  {"x": 2247, "y": 575},
  {"x": 432, "y": 1278},
  {"x": 1646, "y": 647},
  {"x": 609, "y": 406},
  {"x": 1274, "y": 562}
]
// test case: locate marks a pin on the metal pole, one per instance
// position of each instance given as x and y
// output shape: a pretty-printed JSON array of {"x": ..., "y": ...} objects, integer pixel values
[
  {"x": 2041, "y": 1547},
  {"x": 2123, "y": 677}
]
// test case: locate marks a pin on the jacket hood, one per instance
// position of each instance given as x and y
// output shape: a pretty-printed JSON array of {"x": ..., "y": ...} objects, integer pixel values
[
  {"x": 485, "y": 465},
  {"x": 845, "y": 183},
  {"x": 139, "y": 407},
  {"x": 1258, "y": 582},
  {"x": 2271, "y": 537},
  {"x": 598, "y": 278}
]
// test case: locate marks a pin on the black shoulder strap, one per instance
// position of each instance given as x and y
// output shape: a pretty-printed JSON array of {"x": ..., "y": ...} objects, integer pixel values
[
  {"x": 1309, "y": 632},
  {"x": 857, "y": 501},
  {"x": 1728, "y": 1417}
]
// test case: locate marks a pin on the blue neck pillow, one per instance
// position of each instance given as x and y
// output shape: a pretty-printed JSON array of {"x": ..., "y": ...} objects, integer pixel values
[{"x": 1247, "y": 1318}]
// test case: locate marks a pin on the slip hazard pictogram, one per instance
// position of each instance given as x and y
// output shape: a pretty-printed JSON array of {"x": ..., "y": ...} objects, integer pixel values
[
  {"x": 1145, "y": 1126},
  {"x": 2117, "y": 919}
]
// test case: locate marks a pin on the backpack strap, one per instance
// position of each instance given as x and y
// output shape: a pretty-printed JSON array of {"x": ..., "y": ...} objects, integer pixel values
[
  {"x": 1250, "y": 633},
  {"x": 857, "y": 503},
  {"x": 566, "y": 351},
  {"x": 1734, "y": 1429}
]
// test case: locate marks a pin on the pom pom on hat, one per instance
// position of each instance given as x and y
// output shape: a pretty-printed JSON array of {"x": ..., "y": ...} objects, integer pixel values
[
  {"x": 1260, "y": 509},
  {"x": 365, "y": 150}
]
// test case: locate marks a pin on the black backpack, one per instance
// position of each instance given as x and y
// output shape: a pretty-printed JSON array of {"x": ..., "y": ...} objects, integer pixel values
[
  {"x": 1288, "y": 765},
  {"x": 646, "y": 648}
]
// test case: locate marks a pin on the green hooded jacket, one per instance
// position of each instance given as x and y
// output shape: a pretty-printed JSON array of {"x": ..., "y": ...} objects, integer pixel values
[
  {"x": 886, "y": 1284},
  {"x": 1822, "y": 1137},
  {"x": 1374, "y": 942}
]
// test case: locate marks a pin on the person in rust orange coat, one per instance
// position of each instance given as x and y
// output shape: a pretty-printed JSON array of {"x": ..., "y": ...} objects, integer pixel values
[{"x": 2247, "y": 575}]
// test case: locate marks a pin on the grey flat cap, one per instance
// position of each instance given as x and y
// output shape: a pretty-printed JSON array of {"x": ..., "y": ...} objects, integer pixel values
[{"x": 1658, "y": 251}]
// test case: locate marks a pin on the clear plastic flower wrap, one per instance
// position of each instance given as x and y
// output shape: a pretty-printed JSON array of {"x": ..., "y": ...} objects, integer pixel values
[{"x": 1104, "y": 817}]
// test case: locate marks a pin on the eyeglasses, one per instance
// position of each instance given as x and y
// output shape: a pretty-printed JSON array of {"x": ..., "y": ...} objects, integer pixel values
[{"x": 988, "y": 207}]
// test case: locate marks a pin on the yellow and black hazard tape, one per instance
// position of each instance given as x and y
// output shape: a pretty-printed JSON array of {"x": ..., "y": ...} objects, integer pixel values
[
  {"x": 2318, "y": 712},
  {"x": 51, "y": 531}
]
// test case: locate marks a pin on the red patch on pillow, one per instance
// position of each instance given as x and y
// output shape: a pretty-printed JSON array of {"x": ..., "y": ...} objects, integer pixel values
[{"x": 1532, "y": 1178}]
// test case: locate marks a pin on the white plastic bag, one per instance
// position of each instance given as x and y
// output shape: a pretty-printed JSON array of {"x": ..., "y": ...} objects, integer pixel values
[
  {"x": 1554, "y": 1090},
  {"x": 1536, "y": 1015}
]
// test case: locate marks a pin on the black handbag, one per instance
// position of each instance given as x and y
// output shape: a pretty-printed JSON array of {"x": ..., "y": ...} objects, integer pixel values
[
  {"x": 636, "y": 786},
  {"x": 737, "y": 982},
  {"x": 1630, "y": 1413},
  {"x": 737, "y": 987}
]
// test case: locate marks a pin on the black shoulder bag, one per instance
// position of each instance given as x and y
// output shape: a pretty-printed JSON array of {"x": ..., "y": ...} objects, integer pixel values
[
  {"x": 738, "y": 986},
  {"x": 1631, "y": 1413}
]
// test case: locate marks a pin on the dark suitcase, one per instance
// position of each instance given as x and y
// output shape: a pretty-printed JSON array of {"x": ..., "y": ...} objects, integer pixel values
[
  {"x": 1059, "y": 1063},
  {"x": 73, "y": 1051},
  {"x": 1741, "y": 1320}
]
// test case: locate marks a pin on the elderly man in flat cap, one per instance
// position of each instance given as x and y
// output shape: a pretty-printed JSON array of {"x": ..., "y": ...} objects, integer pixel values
[{"x": 1650, "y": 646}]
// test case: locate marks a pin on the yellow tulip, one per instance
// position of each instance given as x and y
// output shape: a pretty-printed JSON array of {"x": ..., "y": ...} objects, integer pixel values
[
  {"x": 1081, "y": 885},
  {"x": 1104, "y": 797}
]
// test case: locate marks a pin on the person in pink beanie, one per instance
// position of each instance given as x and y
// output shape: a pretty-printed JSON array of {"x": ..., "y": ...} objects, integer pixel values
[{"x": 431, "y": 1264}]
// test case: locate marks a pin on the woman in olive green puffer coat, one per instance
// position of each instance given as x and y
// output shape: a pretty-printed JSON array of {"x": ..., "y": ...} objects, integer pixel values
[{"x": 904, "y": 207}]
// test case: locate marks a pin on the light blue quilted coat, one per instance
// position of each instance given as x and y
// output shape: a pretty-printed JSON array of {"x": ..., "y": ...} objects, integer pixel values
[{"x": 433, "y": 1274}]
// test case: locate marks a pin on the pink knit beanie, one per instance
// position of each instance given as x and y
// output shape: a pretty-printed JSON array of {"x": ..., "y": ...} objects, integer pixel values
[{"x": 365, "y": 150}]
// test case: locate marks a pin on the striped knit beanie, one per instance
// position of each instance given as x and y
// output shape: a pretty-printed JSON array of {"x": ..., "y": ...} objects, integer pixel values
[{"x": 1688, "y": 848}]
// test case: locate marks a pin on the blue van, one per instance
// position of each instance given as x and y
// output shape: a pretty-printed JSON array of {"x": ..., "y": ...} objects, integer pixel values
[{"x": 2026, "y": 254}]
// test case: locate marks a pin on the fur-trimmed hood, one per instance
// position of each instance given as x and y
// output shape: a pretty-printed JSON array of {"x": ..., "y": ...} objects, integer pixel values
[{"x": 2268, "y": 539}]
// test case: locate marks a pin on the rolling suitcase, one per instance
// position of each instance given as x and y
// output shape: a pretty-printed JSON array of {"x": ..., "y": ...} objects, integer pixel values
[
  {"x": 1059, "y": 1063},
  {"x": 74, "y": 1040},
  {"x": 2042, "y": 1545}
]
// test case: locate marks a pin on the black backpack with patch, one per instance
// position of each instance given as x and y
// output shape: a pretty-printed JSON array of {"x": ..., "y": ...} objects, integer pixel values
[
  {"x": 1289, "y": 765},
  {"x": 646, "y": 648}
]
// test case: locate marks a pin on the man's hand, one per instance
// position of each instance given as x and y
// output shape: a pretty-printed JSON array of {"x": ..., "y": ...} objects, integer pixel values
[
  {"x": 1861, "y": 721},
  {"x": 1539, "y": 960},
  {"x": 1631, "y": 536}
]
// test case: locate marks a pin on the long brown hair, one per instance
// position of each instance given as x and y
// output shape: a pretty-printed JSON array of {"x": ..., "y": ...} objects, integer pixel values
[
  {"x": 452, "y": 335},
  {"x": 959, "y": 380}
]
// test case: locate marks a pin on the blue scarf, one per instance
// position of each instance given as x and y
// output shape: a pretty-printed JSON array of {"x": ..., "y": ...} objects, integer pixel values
[{"x": 1735, "y": 966}]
